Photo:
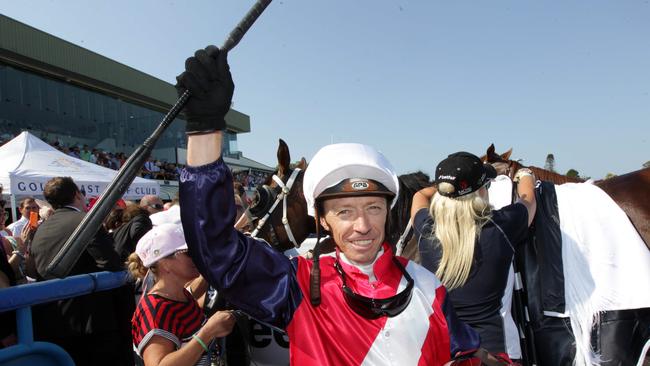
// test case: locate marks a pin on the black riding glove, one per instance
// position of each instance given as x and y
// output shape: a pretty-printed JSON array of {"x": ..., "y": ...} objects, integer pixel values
[{"x": 207, "y": 77}]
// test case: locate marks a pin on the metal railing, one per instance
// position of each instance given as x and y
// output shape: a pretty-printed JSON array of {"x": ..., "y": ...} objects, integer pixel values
[{"x": 21, "y": 298}]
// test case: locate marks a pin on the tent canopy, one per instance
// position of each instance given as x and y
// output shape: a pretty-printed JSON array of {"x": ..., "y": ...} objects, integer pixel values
[{"x": 27, "y": 163}]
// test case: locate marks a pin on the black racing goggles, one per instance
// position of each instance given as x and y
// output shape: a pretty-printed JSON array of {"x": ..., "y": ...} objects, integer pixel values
[{"x": 370, "y": 308}]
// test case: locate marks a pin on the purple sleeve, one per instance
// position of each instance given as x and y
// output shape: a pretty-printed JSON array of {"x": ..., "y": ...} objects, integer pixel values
[
  {"x": 421, "y": 222},
  {"x": 254, "y": 277}
]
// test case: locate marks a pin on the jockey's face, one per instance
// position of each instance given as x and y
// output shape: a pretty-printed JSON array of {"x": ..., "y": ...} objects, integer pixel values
[{"x": 357, "y": 225}]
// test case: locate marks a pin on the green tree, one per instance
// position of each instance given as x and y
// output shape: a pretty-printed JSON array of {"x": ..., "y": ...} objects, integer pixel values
[
  {"x": 646, "y": 164},
  {"x": 572, "y": 173},
  {"x": 610, "y": 175}
]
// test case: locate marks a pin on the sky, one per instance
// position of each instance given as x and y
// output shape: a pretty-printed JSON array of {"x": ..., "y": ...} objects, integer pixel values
[{"x": 416, "y": 79}]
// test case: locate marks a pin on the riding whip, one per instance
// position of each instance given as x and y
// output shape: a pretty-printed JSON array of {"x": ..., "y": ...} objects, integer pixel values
[{"x": 68, "y": 255}]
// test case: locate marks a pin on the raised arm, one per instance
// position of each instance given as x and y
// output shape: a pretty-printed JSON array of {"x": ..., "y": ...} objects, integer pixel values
[
  {"x": 422, "y": 199},
  {"x": 525, "y": 180},
  {"x": 252, "y": 276}
]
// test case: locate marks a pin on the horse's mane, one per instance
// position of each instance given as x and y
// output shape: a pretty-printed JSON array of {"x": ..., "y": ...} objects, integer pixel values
[
  {"x": 547, "y": 175},
  {"x": 542, "y": 174},
  {"x": 401, "y": 213}
]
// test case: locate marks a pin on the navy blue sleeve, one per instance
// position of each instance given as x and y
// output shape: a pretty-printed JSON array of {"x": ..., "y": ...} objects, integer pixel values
[
  {"x": 422, "y": 222},
  {"x": 513, "y": 220},
  {"x": 253, "y": 276},
  {"x": 463, "y": 339}
]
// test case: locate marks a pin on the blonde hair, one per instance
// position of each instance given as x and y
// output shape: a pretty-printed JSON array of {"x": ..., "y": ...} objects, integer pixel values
[
  {"x": 136, "y": 267},
  {"x": 457, "y": 225}
]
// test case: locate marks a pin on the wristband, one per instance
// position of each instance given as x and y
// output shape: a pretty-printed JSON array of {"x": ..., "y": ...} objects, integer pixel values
[
  {"x": 522, "y": 173},
  {"x": 198, "y": 339}
]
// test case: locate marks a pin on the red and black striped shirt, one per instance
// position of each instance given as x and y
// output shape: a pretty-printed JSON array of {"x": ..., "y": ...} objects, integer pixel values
[{"x": 173, "y": 320}]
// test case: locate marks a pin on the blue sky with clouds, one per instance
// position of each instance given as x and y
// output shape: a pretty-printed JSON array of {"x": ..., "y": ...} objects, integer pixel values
[{"x": 416, "y": 79}]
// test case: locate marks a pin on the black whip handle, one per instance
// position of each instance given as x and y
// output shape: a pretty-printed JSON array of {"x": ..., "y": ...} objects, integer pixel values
[{"x": 76, "y": 244}]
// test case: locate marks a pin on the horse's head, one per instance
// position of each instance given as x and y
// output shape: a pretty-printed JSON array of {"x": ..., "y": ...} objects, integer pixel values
[
  {"x": 500, "y": 162},
  {"x": 279, "y": 208}
]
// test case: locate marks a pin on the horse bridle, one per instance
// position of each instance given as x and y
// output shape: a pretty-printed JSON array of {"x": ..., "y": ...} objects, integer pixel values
[{"x": 285, "y": 189}]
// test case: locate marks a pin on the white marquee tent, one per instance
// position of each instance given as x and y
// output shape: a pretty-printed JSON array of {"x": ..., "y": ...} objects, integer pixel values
[{"x": 27, "y": 163}]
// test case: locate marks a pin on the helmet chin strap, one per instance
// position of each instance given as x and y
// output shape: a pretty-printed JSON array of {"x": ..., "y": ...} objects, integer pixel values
[
  {"x": 286, "y": 189},
  {"x": 314, "y": 276}
]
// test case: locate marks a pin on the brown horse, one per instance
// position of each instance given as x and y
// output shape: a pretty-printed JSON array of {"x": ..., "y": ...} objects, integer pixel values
[
  {"x": 269, "y": 202},
  {"x": 505, "y": 166},
  {"x": 626, "y": 190}
]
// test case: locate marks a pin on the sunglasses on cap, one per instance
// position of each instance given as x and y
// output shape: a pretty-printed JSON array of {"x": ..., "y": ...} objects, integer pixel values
[
  {"x": 370, "y": 308},
  {"x": 157, "y": 206}
]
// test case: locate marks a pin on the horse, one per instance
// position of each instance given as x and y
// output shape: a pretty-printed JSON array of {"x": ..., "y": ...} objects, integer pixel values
[
  {"x": 626, "y": 190},
  {"x": 567, "y": 315},
  {"x": 279, "y": 208}
]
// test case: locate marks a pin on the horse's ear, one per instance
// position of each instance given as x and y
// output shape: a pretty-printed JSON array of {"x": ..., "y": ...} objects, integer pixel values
[
  {"x": 506, "y": 155},
  {"x": 302, "y": 164},
  {"x": 490, "y": 150},
  {"x": 284, "y": 159},
  {"x": 489, "y": 155}
]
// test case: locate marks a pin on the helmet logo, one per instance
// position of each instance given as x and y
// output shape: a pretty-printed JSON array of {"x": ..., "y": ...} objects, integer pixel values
[{"x": 360, "y": 185}]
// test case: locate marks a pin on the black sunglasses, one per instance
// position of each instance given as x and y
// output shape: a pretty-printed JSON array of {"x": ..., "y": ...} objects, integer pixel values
[
  {"x": 370, "y": 308},
  {"x": 157, "y": 206}
]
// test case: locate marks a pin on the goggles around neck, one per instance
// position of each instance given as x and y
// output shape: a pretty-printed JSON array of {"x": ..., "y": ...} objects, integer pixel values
[{"x": 370, "y": 308}]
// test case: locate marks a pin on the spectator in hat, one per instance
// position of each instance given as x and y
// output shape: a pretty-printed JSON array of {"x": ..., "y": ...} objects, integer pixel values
[
  {"x": 169, "y": 326},
  {"x": 469, "y": 246}
]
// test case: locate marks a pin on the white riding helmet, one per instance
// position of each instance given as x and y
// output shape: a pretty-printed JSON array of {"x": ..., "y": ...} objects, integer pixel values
[{"x": 348, "y": 169}]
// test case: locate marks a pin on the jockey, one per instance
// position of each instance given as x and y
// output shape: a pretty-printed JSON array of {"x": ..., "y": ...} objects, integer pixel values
[{"x": 359, "y": 305}]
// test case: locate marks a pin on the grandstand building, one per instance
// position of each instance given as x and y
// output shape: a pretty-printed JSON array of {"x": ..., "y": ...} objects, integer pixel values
[{"x": 63, "y": 92}]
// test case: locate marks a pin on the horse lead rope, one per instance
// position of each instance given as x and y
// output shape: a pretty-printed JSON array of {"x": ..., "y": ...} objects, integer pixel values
[{"x": 282, "y": 196}]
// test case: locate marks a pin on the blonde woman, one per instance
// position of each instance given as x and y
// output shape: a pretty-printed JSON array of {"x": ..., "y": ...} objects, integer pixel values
[
  {"x": 469, "y": 246},
  {"x": 169, "y": 327}
]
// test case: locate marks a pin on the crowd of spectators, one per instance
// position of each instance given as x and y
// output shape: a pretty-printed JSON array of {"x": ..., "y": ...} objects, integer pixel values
[
  {"x": 96, "y": 328},
  {"x": 250, "y": 179},
  {"x": 153, "y": 168}
]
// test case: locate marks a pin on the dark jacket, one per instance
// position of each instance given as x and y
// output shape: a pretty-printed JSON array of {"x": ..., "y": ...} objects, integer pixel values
[
  {"x": 126, "y": 236},
  {"x": 82, "y": 317}
]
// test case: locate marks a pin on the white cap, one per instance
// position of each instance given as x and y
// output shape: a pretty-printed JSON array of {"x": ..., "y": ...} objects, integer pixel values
[
  {"x": 161, "y": 241},
  {"x": 335, "y": 163},
  {"x": 170, "y": 216}
]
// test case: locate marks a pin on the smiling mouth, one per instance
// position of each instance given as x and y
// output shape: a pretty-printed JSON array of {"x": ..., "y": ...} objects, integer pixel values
[{"x": 361, "y": 243}]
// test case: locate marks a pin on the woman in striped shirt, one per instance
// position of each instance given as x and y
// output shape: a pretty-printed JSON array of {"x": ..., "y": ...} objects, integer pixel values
[{"x": 168, "y": 326}]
